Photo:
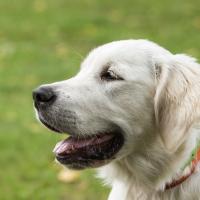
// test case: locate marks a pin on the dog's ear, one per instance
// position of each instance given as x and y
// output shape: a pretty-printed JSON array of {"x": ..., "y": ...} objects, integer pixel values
[{"x": 176, "y": 99}]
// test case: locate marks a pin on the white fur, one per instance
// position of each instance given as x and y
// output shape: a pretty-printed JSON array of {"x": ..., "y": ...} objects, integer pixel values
[{"x": 157, "y": 106}]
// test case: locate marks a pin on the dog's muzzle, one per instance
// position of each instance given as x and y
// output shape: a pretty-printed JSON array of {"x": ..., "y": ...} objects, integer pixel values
[{"x": 77, "y": 151}]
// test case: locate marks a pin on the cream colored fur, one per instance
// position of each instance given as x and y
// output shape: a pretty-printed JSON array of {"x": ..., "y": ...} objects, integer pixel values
[
  {"x": 157, "y": 107},
  {"x": 142, "y": 175}
]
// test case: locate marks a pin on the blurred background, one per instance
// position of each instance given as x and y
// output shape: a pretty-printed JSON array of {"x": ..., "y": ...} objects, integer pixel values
[{"x": 43, "y": 41}]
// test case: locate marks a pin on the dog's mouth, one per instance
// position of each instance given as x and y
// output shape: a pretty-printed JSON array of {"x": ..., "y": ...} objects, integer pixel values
[{"x": 80, "y": 152}]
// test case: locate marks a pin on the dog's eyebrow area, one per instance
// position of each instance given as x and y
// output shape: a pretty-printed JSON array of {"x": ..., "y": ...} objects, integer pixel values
[{"x": 109, "y": 73}]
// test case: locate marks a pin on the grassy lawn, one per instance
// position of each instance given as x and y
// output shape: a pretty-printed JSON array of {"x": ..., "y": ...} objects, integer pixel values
[{"x": 45, "y": 40}]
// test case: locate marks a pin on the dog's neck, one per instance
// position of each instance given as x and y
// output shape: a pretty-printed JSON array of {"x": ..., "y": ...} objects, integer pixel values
[
  {"x": 189, "y": 168},
  {"x": 150, "y": 170}
]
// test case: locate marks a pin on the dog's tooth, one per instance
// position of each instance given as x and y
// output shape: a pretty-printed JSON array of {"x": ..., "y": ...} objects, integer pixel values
[
  {"x": 56, "y": 147},
  {"x": 60, "y": 146}
]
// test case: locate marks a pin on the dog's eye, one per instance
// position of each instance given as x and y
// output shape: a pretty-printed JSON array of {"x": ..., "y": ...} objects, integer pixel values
[{"x": 109, "y": 75}]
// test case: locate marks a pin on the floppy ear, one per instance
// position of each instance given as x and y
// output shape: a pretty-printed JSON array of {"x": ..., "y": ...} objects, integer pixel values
[{"x": 177, "y": 99}]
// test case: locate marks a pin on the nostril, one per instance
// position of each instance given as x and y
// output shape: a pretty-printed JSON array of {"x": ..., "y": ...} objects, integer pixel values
[{"x": 43, "y": 95}]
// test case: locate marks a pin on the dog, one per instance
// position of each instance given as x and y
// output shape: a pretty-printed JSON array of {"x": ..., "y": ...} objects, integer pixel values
[{"x": 132, "y": 112}]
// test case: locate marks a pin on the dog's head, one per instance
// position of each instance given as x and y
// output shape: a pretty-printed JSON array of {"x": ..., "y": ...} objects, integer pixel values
[{"x": 126, "y": 92}]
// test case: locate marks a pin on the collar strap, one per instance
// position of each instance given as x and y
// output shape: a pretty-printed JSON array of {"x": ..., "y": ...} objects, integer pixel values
[{"x": 194, "y": 162}]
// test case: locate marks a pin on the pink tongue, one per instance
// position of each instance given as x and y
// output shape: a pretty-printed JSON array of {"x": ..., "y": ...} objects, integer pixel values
[{"x": 73, "y": 145}]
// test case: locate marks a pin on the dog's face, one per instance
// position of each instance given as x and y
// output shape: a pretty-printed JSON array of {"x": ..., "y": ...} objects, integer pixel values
[{"x": 106, "y": 108}]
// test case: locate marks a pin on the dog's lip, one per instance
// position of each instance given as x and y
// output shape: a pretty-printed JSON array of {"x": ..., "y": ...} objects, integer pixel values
[
  {"x": 89, "y": 151},
  {"x": 49, "y": 126}
]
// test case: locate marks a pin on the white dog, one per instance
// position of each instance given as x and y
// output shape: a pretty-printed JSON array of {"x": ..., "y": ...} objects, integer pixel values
[{"x": 133, "y": 111}]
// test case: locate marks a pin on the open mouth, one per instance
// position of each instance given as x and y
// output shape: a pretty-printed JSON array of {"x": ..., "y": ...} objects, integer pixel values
[
  {"x": 91, "y": 151},
  {"x": 79, "y": 152}
]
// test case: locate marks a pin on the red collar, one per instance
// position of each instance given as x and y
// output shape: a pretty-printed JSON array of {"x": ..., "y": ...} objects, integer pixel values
[{"x": 177, "y": 182}]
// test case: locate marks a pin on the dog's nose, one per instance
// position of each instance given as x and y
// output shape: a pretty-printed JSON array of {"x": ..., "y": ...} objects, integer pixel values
[{"x": 43, "y": 94}]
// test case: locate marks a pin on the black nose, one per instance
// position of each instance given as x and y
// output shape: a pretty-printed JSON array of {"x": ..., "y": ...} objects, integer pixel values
[{"x": 43, "y": 94}]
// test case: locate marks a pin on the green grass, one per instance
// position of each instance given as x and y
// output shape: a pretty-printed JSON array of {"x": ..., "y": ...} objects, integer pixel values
[{"x": 45, "y": 40}]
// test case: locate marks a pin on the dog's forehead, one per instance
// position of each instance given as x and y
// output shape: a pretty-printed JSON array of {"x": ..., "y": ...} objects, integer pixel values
[
  {"x": 111, "y": 52},
  {"x": 135, "y": 52}
]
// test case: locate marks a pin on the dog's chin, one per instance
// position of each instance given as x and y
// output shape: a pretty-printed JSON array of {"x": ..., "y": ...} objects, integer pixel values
[
  {"x": 49, "y": 126},
  {"x": 91, "y": 151}
]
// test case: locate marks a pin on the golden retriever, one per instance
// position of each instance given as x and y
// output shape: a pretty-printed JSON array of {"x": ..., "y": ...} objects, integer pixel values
[{"x": 133, "y": 112}]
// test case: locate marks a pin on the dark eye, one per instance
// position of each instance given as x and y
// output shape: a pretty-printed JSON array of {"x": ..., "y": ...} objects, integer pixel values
[{"x": 109, "y": 75}]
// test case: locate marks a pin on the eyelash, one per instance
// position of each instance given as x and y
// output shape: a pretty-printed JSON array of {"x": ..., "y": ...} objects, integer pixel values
[{"x": 109, "y": 75}]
